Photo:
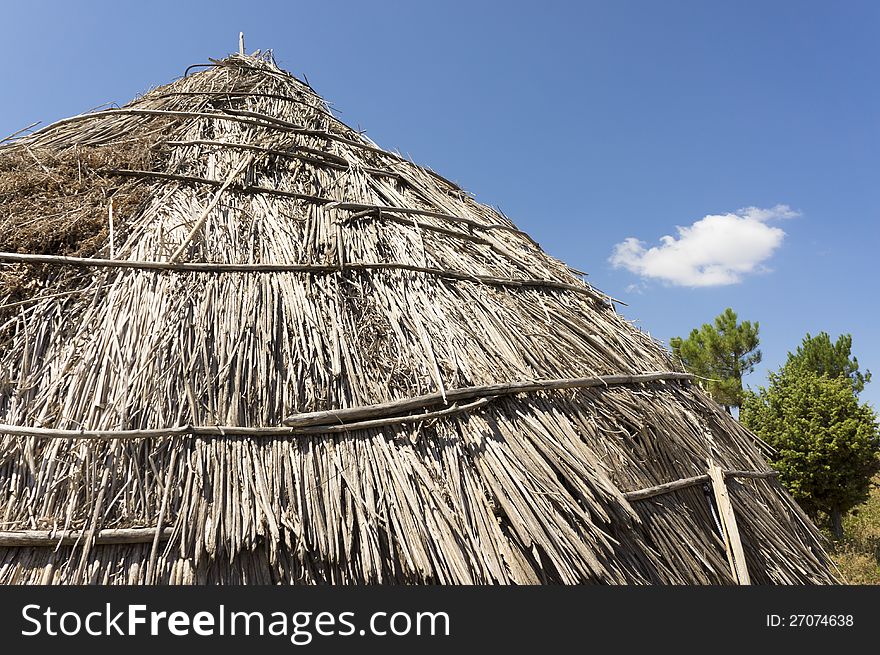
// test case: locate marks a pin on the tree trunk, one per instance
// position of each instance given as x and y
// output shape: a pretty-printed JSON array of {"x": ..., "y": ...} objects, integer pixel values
[{"x": 837, "y": 523}]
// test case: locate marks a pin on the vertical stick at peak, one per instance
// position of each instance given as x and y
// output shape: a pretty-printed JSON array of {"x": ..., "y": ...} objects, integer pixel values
[{"x": 241, "y": 43}]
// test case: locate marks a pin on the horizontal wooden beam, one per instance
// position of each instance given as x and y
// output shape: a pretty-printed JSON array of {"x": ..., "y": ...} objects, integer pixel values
[
  {"x": 320, "y": 269},
  {"x": 466, "y": 393},
  {"x": 666, "y": 488},
  {"x": 684, "y": 483},
  {"x": 72, "y": 537},
  {"x": 360, "y": 208},
  {"x": 357, "y": 418}
]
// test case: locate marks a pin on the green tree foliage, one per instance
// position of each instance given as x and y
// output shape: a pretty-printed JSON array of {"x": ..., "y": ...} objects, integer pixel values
[
  {"x": 826, "y": 441},
  {"x": 819, "y": 355},
  {"x": 722, "y": 351}
]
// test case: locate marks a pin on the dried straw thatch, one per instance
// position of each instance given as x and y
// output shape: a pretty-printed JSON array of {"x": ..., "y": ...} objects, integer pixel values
[{"x": 244, "y": 344}]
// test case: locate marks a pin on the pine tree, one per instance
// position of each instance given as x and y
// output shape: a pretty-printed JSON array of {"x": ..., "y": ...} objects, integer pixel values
[
  {"x": 825, "y": 441},
  {"x": 819, "y": 355},
  {"x": 722, "y": 352}
]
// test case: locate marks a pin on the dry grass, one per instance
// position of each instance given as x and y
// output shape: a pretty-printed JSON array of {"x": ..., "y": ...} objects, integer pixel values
[
  {"x": 858, "y": 554},
  {"x": 523, "y": 488},
  {"x": 57, "y": 201}
]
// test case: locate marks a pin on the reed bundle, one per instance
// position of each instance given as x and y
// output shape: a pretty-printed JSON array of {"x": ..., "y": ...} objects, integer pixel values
[{"x": 244, "y": 344}]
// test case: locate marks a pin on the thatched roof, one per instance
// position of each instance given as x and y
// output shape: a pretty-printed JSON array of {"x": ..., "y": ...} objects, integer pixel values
[{"x": 246, "y": 344}]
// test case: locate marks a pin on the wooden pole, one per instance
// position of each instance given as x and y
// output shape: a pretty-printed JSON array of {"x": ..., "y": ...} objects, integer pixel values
[
  {"x": 684, "y": 483},
  {"x": 352, "y": 418},
  {"x": 203, "y": 217},
  {"x": 732, "y": 544},
  {"x": 110, "y": 221},
  {"x": 54, "y": 538},
  {"x": 241, "y": 43},
  {"x": 213, "y": 267},
  {"x": 665, "y": 488},
  {"x": 462, "y": 393}
]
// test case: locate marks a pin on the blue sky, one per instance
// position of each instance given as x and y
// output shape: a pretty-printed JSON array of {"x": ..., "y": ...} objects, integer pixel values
[{"x": 588, "y": 123}]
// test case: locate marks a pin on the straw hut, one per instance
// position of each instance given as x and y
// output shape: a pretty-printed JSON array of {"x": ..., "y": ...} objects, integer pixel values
[{"x": 241, "y": 343}]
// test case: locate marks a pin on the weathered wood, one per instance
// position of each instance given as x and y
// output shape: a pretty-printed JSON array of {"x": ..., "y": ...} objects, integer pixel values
[
  {"x": 409, "y": 211},
  {"x": 24, "y": 538},
  {"x": 313, "y": 156},
  {"x": 200, "y": 221},
  {"x": 684, "y": 483},
  {"x": 757, "y": 475},
  {"x": 193, "y": 179},
  {"x": 247, "y": 118},
  {"x": 197, "y": 267},
  {"x": 155, "y": 433},
  {"x": 515, "y": 490},
  {"x": 462, "y": 393},
  {"x": 210, "y": 267},
  {"x": 110, "y": 226},
  {"x": 733, "y": 544},
  {"x": 349, "y": 419},
  {"x": 360, "y": 208},
  {"x": 254, "y": 94},
  {"x": 675, "y": 485},
  {"x": 394, "y": 420}
]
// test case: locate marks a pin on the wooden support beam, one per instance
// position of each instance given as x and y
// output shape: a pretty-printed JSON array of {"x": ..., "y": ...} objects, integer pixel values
[
  {"x": 24, "y": 538},
  {"x": 665, "y": 488},
  {"x": 317, "y": 269},
  {"x": 732, "y": 543},
  {"x": 359, "y": 418},
  {"x": 462, "y": 393},
  {"x": 684, "y": 483}
]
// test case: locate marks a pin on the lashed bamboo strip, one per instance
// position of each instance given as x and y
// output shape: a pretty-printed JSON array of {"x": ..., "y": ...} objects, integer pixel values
[
  {"x": 252, "y": 94},
  {"x": 193, "y": 179},
  {"x": 212, "y": 267},
  {"x": 322, "y": 158},
  {"x": 360, "y": 207},
  {"x": 247, "y": 118}
]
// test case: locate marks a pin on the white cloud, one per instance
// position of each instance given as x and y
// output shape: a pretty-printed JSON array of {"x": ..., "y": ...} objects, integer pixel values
[{"x": 716, "y": 250}]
